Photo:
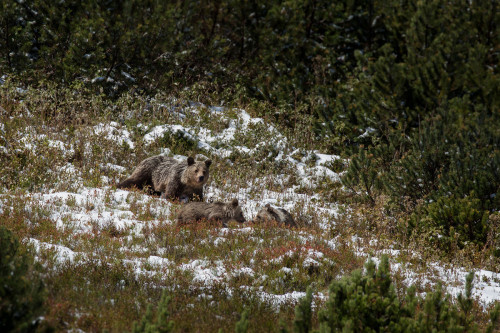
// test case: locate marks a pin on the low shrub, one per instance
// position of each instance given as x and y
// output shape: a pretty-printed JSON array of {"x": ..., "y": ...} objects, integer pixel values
[
  {"x": 450, "y": 219},
  {"x": 367, "y": 302},
  {"x": 22, "y": 294},
  {"x": 161, "y": 325}
]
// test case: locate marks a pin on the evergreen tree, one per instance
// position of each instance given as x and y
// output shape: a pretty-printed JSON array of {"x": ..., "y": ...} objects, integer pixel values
[
  {"x": 362, "y": 173},
  {"x": 363, "y": 302},
  {"x": 242, "y": 324},
  {"x": 367, "y": 302},
  {"x": 161, "y": 325},
  {"x": 303, "y": 313},
  {"x": 22, "y": 293}
]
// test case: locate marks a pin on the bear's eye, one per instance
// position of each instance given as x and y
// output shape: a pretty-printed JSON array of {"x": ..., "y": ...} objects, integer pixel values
[{"x": 197, "y": 170}]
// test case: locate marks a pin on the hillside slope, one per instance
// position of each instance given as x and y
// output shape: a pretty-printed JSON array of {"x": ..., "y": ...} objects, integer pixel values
[{"x": 106, "y": 253}]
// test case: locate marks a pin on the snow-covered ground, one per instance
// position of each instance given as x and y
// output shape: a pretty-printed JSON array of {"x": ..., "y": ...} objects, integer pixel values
[{"x": 88, "y": 209}]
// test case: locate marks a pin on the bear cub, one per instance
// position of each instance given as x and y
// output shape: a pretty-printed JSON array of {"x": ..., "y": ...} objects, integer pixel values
[
  {"x": 269, "y": 213},
  {"x": 216, "y": 211},
  {"x": 170, "y": 178}
]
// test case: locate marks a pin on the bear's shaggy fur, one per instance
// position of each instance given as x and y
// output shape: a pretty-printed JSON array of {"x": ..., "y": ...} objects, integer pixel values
[
  {"x": 216, "y": 211},
  {"x": 142, "y": 176},
  {"x": 170, "y": 178},
  {"x": 269, "y": 213}
]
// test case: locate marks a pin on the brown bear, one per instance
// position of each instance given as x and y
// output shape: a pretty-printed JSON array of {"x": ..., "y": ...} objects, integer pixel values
[
  {"x": 216, "y": 211},
  {"x": 170, "y": 178},
  {"x": 279, "y": 215}
]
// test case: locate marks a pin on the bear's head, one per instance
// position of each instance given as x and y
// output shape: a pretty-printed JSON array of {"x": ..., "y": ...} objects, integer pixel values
[
  {"x": 196, "y": 173},
  {"x": 266, "y": 214},
  {"x": 233, "y": 211}
]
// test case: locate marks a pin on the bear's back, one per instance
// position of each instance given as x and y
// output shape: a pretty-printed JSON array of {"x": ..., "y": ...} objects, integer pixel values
[
  {"x": 194, "y": 211},
  {"x": 285, "y": 217},
  {"x": 166, "y": 170}
]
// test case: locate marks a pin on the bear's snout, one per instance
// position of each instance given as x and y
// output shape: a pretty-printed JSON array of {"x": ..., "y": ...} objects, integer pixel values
[{"x": 201, "y": 178}]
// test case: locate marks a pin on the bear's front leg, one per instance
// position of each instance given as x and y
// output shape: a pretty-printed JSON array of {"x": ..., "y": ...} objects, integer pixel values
[
  {"x": 170, "y": 191},
  {"x": 197, "y": 194}
]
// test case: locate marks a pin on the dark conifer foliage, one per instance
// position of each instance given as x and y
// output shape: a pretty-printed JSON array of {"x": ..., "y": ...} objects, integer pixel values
[
  {"x": 367, "y": 302},
  {"x": 22, "y": 294},
  {"x": 162, "y": 324}
]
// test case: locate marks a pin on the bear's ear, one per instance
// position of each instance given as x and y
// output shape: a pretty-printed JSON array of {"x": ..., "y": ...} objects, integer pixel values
[
  {"x": 268, "y": 207},
  {"x": 234, "y": 202},
  {"x": 208, "y": 163},
  {"x": 190, "y": 160}
]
